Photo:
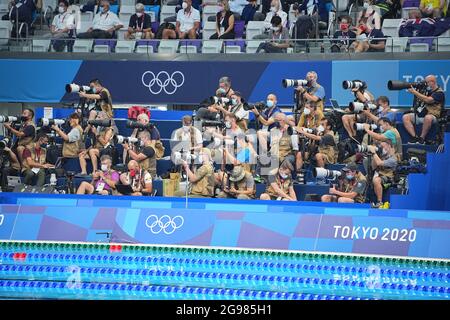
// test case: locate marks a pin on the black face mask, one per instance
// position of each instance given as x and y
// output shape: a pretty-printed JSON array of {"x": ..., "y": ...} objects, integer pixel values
[
  {"x": 44, "y": 145},
  {"x": 23, "y": 119}
]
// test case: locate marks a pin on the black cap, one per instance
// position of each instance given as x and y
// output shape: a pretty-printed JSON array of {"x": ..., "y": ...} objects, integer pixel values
[{"x": 350, "y": 167}]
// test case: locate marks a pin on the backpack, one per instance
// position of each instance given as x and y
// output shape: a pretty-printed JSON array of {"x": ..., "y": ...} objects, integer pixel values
[
  {"x": 162, "y": 26},
  {"x": 134, "y": 111}
]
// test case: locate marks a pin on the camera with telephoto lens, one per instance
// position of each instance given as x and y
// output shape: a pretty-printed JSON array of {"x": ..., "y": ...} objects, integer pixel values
[
  {"x": 401, "y": 85},
  {"x": 121, "y": 140},
  {"x": 219, "y": 100},
  {"x": 75, "y": 88},
  {"x": 293, "y": 131},
  {"x": 137, "y": 125},
  {"x": 4, "y": 143},
  {"x": 4, "y": 119},
  {"x": 360, "y": 126},
  {"x": 211, "y": 123},
  {"x": 359, "y": 106},
  {"x": 180, "y": 156},
  {"x": 45, "y": 122},
  {"x": 353, "y": 84},
  {"x": 363, "y": 148},
  {"x": 260, "y": 106},
  {"x": 100, "y": 123},
  {"x": 322, "y": 173},
  {"x": 294, "y": 83}
]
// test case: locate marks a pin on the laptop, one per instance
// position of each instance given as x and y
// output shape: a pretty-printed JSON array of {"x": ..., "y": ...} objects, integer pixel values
[
  {"x": 335, "y": 106},
  {"x": 13, "y": 181},
  {"x": 124, "y": 189}
]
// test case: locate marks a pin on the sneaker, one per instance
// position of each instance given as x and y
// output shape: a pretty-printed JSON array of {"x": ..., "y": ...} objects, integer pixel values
[
  {"x": 386, "y": 205},
  {"x": 377, "y": 205},
  {"x": 258, "y": 179},
  {"x": 413, "y": 140},
  {"x": 420, "y": 140}
]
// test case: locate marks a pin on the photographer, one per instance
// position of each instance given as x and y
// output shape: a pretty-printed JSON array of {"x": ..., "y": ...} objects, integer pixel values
[
  {"x": 10, "y": 166},
  {"x": 73, "y": 141},
  {"x": 434, "y": 102},
  {"x": 34, "y": 161},
  {"x": 237, "y": 109},
  {"x": 25, "y": 134},
  {"x": 312, "y": 92},
  {"x": 267, "y": 117},
  {"x": 102, "y": 97},
  {"x": 103, "y": 181},
  {"x": 138, "y": 178},
  {"x": 189, "y": 133},
  {"x": 384, "y": 110},
  {"x": 145, "y": 154},
  {"x": 280, "y": 184},
  {"x": 240, "y": 185},
  {"x": 351, "y": 189},
  {"x": 384, "y": 167},
  {"x": 201, "y": 183},
  {"x": 209, "y": 112},
  {"x": 310, "y": 117},
  {"x": 144, "y": 120},
  {"x": 282, "y": 144},
  {"x": 103, "y": 137},
  {"x": 388, "y": 133}
]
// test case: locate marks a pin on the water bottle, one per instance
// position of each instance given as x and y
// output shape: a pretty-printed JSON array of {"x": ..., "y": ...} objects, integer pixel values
[{"x": 53, "y": 179}]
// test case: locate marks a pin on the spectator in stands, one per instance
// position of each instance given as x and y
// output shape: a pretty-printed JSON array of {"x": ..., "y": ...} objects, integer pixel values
[
  {"x": 237, "y": 6},
  {"x": 102, "y": 97},
  {"x": 140, "y": 25},
  {"x": 224, "y": 22},
  {"x": 434, "y": 102},
  {"x": 416, "y": 26},
  {"x": 138, "y": 178},
  {"x": 34, "y": 161},
  {"x": 63, "y": 26},
  {"x": 23, "y": 11},
  {"x": 104, "y": 25},
  {"x": 278, "y": 38},
  {"x": 10, "y": 166},
  {"x": 103, "y": 180},
  {"x": 432, "y": 8},
  {"x": 249, "y": 11},
  {"x": 369, "y": 17},
  {"x": 203, "y": 180},
  {"x": 73, "y": 141},
  {"x": 351, "y": 188},
  {"x": 275, "y": 11},
  {"x": 362, "y": 95},
  {"x": 190, "y": 135},
  {"x": 344, "y": 36},
  {"x": 239, "y": 185},
  {"x": 389, "y": 9},
  {"x": 26, "y": 132},
  {"x": 103, "y": 137},
  {"x": 150, "y": 2},
  {"x": 388, "y": 133},
  {"x": 188, "y": 23},
  {"x": 145, "y": 154},
  {"x": 368, "y": 40},
  {"x": 280, "y": 184},
  {"x": 313, "y": 91},
  {"x": 384, "y": 167},
  {"x": 210, "y": 112}
]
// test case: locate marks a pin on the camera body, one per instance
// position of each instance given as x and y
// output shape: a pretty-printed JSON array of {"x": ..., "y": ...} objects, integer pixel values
[
  {"x": 212, "y": 123},
  {"x": 294, "y": 83},
  {"x": 260, "y": 106},
  {"x": 137, "y": 125},
  {"x": 359, "y": 106},
  {"x": 322, "y": 173},
  {"x": 353, "y": 84},
  {"x": 75, "y": 88},
  {"x": 180, "y": 156},
  {"x": 5, "y": 143}
]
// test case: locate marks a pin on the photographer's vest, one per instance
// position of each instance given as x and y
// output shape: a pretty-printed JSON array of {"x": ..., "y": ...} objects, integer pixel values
[
  {"x": 204, "y": 186},
  {"x": 348, "y": 186},
  {"x": 284, "y": 146},
  {"x": 149, "y": 164},
  {"x": 282, "y": 184},
  {"x": 39, "y": 158},
  {"x": 385, "y": 172},
  {"x": 106, "y": 106},
  {"x": 98, "y": 144},
  {"x": 435, "y": 108},
  {"x": 312, "y": 92},
  {"x": 329, "y": 150},
  {"x": 72, "y": 149},
  {"x": 25, "y": 141},
  {"x": 309, "y": 121}
]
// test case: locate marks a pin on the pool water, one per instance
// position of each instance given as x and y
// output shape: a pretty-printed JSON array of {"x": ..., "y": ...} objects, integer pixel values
[{"x": 57, "y": 270}]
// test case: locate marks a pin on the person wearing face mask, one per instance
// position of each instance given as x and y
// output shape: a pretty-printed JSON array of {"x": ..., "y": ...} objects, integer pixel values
[
  {"x": 103, "y": 180},
  {"x": 280, "y": 184},
  {"x": 388, "y": 132},
  {"x": 236, "y": 108},
  {"x": 232, "y": 131},
  {"x": 384, "y": 167},
  {"x": 351, "y": 187},
  {"x": 140, "y": 25},
  {"x": 310, "y": 117},
  {"x": 211, "y": 112},
  {"x": 188, "y": 23},
  {"x": 26, "y": 132},
  {"x": 63, "y": 26},
  {"x": 384, "y": 110},
  {"x": 102, "y": 97},
  {"x": 224, "y": 22},
  {"x": 267, "y": 117},
  {"x": 202, "y": 182},
  {"x": 103, "y": 139},
  {"x": 9, "y": 166},
  {"x": 139, "y": 179},
  {"x": 104, "y": 25},
  {"x": 278, "y": 38},
  {"x": 313, "y": 91},
  {"x": 34, "y": 161},
  {"x": 275, "y": 11},
  {"x": 72, "y": 141},
  {"x": 434, "y": 101},
  {"x": 144, "y": 154},
  {"x": 369, "y": 17},
  {"x": 344, "y": 36}
]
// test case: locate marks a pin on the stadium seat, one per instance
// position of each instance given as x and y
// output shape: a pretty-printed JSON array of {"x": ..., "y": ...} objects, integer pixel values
[
  {"x": 212, "y": 46},
  {"x": 146, "y": 46},
  {"x": 127, "y": 3},
  {"x": 190, "y": 46},
  {"x": 114, "y": 8},
  {"x": 166, "y": 12},
  {"x": 124, "y": 17},
  {"x": 121, "y": 32},
  {"x": 209, "y": 28},
  {"x": 443, "y": 44},
  {"x": 390, "y": 27},
  {"x": 104, "y": 46},
  {"x": 208, "y": 11},
  {"x": 40, "y": 45},
  {"x": 254, "y": 28},
  {"x": 125, "y": 46},
  {"x": 234, "y": 46},
  {"x": 81, "y": 45},
  {"x": 127, "y": 9},
  {"x": 3, "y": 8},
  {"x": 86, "y": 16},
  {"x": 418, "y": 47},
  {"x": 239, "y": 27},
  {"x": 153, "y": 11},
  {"x": 168, "y": 46},
  {"x": 5, "y": 30},
  {"x": 340, "y": 5},
  {"x": 83, "y": 26},
  {"x": 252, "y": 45},
  {"x": 396, "y": 44}
]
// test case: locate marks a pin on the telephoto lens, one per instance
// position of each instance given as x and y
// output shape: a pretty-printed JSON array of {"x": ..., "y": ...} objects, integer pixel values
[
  {"x": 294, "y": 83},
  {"x": 75, "y": 88},
  {"x": 322, "y": 173},
  {"x": 353, "y": 84},
  {"x": 8, "y": 119}
]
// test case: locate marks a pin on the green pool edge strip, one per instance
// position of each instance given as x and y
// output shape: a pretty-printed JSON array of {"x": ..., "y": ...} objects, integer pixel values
[{"x": 139, "y": 248}]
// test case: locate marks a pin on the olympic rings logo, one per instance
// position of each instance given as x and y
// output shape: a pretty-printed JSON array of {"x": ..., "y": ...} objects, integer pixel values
[
  {"x": 162, "y": 81},
  {"x": 166, "y": 224}
]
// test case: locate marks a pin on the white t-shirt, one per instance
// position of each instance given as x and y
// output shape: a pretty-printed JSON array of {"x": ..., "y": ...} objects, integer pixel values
[
  {"x": 187, "y": 20},
  {"x": 241, "y": 113},
  {"x": 280, "y": 13},
  {"x": 105, "y": 21},
  {"x": 64, "y": 20}
]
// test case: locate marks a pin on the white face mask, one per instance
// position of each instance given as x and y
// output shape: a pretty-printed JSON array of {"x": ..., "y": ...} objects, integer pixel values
[
  {"x": 306, "y": 111},
  {"x": 61, "y": 9},
  {"x": 228, "y": 124},
  {"x": 184, "y": 5},
  {"x": 283, "y": 175},
  {"x": 366, "y": 5},
  {"x": 139, "y": 14},
  {"x": 186, "y": 128},
  {"x": 320, "y": 128},
  {"x": 104, "y": 167}
]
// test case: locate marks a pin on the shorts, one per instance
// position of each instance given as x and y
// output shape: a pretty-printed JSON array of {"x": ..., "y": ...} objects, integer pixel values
[
  {"x": 419, "y": 120},
  {"x": 384, "y": 179},
  {"x": 109, "y": 192}
]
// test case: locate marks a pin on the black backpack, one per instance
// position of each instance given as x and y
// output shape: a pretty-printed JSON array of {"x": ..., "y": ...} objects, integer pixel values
[{"x": 162, "y": 26}]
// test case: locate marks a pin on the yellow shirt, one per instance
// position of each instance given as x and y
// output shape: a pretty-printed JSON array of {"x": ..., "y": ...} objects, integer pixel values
[{"x": 434, "y": 3}]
